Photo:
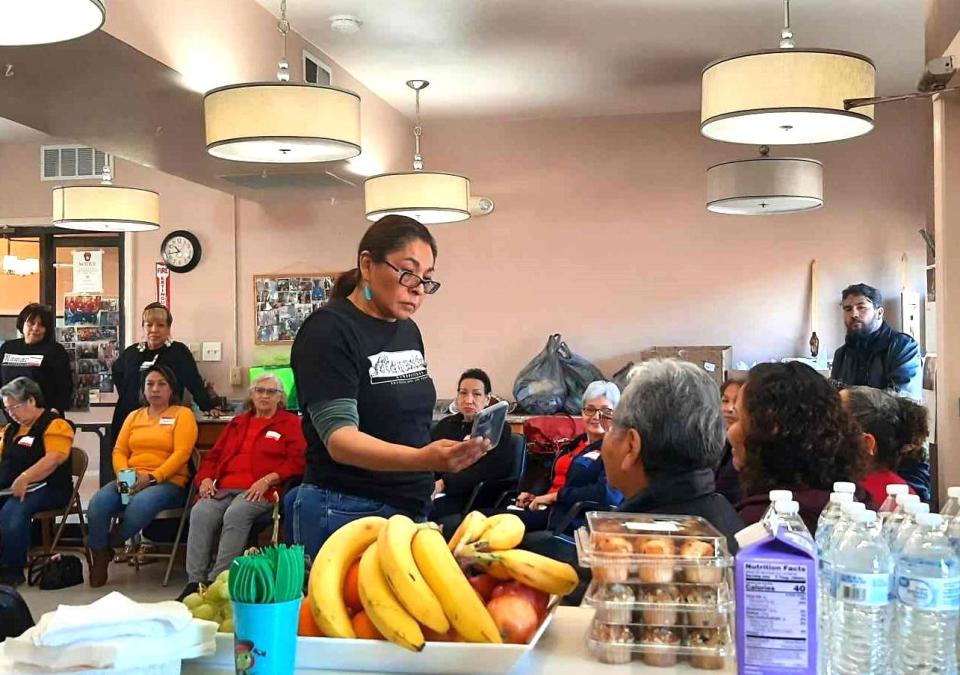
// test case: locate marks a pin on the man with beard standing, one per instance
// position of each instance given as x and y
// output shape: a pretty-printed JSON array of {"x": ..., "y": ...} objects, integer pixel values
[{"x": 874, "y": 354}]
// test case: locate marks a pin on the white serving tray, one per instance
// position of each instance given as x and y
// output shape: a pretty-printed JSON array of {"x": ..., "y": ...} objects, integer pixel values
[{"x": 378, "y": 656}]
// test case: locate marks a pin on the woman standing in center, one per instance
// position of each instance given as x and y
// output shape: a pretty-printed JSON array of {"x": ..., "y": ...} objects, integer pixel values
[{"x": 366, "y": 396}]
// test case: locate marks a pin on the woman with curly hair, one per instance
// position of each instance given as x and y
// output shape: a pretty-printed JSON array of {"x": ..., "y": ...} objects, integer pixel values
[
  {"x": 894, "y": 430},
  {"x": 793, "y": 434}
]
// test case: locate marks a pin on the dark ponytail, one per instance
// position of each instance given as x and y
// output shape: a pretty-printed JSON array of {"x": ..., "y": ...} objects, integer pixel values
[
  {"x": 388, "y": 234},
  {"x": 914, "y": 430}
]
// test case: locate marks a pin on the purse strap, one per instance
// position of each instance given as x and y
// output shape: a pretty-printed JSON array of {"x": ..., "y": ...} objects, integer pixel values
[{"x": 37, "y": 565}]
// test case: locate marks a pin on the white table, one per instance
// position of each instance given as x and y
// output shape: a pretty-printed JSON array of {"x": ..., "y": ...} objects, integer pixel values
[{"x": 562, "y": 649}]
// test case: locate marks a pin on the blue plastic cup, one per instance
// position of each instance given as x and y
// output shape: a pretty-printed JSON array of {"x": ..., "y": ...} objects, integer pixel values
[
  {"x": 126, "y": 480},
  {"x": 265, "y": 637}
]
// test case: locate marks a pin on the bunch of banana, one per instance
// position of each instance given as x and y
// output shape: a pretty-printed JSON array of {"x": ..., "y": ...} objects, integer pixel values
[
  {"x": 330, "y": 567},
  {"x": 471, "y": 527},
  {"x": 500, "y": 533}
]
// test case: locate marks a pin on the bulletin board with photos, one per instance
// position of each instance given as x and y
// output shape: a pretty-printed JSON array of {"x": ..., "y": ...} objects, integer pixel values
[
  {"x": 283, "y": 302},
  {"x": 90, "y": 334}
]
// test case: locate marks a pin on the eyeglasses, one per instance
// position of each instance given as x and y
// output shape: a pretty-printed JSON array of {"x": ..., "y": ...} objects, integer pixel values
[
  {"x": 11, "y": 408},
  {"x": 410, "y": 280},
  {"x": 606, "y": 414},
  {"x": 263, "y": 391}
]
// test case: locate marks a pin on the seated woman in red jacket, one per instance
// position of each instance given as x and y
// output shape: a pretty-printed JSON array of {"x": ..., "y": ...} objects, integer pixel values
[
  {"x": 238, "y": 479},
  {"x": 894, "y": 429},
  {"x": 793, "y": 434}
]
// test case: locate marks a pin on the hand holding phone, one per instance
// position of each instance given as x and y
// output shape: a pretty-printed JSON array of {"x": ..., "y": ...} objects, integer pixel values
[{"x": 489, "y": 423}]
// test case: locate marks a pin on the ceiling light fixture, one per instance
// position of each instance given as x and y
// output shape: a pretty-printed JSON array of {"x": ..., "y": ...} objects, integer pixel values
[
  {"x": 106, "y": 207},
  {"x": 786, "y": 96},
  {"x": 37, "y": 22},
  {"x": 765, "y": 185},
  {"x": 283, "y": 121},
  {"x": 345, "y": 23},
  {"x": 430, "y": 197},
  {"x": 21, "y": 267}
]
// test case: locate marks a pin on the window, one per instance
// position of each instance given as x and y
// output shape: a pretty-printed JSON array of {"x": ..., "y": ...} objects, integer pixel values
[{"x": 315, "y": 71}]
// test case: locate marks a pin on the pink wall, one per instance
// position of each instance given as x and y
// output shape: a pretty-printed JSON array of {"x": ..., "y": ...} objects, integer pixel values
[{"x": 599, "y": 233}]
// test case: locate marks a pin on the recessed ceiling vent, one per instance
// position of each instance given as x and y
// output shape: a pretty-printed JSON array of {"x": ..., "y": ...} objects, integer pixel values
[{"x": 72, "y": 162}]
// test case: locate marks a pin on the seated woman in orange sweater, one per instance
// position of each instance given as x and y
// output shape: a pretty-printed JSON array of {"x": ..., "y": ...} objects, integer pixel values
[{"x": 156, "y": 442}]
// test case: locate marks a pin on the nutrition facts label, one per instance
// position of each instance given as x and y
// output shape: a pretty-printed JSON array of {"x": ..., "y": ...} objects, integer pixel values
[{"x": 776, "y": 616}]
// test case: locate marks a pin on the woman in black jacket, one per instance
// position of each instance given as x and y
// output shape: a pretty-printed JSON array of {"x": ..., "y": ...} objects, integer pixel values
[
  {"x": 473, "y": 395},
  {"x": 39, "y": 357},
  {"x": 128, "y": 369}
]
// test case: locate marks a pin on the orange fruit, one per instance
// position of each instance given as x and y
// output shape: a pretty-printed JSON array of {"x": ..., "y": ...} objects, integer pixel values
[
  {"x": 306, "y": 625},
  {"x": 364, "y": 628},
  {"x": 351, "y": 588}
]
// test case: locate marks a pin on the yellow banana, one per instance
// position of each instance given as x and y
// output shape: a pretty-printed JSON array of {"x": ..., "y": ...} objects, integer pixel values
[
  {"x": 535, "y": 570},
  {"x": 461, "y": 604},
  {"x": 405, "y": 580},
  {"x": 503, "y": 531},
  {"x": 386, "y": 613},
  {"x": 471, "y": 527},
  {"x": 329, "y": 569},
  {"x": 494, "y": 568}
]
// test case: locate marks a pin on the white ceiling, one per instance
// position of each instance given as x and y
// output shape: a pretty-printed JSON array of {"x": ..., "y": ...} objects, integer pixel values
[{"x": 531, "y": 58}]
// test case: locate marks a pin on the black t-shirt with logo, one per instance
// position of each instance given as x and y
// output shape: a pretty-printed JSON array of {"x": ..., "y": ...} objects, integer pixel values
[{"x": 340, "y": 352}]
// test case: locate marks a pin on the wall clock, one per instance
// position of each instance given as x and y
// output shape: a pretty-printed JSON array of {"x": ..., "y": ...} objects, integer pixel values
[{"x": 180, "y": 251}]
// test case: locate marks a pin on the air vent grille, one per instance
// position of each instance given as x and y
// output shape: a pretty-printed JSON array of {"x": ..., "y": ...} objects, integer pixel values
[{"x": 72, "y": 162}]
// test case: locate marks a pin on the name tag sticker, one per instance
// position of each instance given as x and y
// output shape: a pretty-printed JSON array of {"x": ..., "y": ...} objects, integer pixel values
[
  {"x": 592, "y": 455},
  {"x": 273, "y": 435},
  {"x": 26, "y": 441},
  {"x": 167, "y": 421}
]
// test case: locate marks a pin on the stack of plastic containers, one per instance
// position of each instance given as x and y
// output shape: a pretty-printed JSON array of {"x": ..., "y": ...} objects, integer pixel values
[{"x": 662, "y": 588}]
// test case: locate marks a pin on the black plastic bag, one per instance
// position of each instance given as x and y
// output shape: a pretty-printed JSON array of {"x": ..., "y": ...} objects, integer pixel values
[
  {"x": 577, "y": 374},
  {"x": 622, "y": 377},
  {"x": 15, "y": 616},
  {"x": 540, "y": 388}
]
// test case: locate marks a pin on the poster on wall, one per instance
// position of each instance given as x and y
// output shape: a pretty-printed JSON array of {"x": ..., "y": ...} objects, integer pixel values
[
  {"x": 90, "y": 335},
  {"x": 163, "y": 285},
  {"x": 283, "y": 302},
  {"x": 88, "y": 271}
]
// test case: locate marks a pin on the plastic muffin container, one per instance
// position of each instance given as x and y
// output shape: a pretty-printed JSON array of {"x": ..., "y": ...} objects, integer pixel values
[{"x": 662, "y": 588}]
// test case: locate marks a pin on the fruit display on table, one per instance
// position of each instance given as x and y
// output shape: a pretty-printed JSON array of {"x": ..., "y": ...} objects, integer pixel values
[
  {"x": 399, "y": 580},
  {"x": 212, "y": 603}
]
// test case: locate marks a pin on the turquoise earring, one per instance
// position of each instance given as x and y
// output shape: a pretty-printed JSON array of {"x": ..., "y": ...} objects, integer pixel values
[{"x": 367, "y": 293}]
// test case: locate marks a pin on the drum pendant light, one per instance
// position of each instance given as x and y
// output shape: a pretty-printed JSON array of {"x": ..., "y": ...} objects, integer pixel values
[
  {"x": 765, "y": 186},
  {"x": 38, "y": 22},
  {"x": 106, "y": 207},
  {"x": 786, "y": 96},
  {"x": 282, "y": 122},
  {"x": 430, "y": 197}
]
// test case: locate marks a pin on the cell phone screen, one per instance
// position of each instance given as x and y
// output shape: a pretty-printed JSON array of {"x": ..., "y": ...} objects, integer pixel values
[{"x": 489, "y": 422}]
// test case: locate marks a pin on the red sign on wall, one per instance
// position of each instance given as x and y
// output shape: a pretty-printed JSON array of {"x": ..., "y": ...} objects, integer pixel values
[{"x": 163, "y": 285}]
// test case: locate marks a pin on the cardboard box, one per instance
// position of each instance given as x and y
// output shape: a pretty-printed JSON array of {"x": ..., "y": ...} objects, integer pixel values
[
  {"x": 776, "y": 582},
  {"x": 715, "y": 360}
]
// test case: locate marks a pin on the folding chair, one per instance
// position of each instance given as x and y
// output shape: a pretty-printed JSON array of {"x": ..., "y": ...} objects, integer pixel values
[
  {"x": 181, "y": 514},
  {"x": 78, "y": 468}
]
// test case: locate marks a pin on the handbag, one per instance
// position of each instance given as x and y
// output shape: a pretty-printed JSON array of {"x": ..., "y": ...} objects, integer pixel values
[
  {"x": 548, "y": 434},
  {"x": 51, "y": 571}
]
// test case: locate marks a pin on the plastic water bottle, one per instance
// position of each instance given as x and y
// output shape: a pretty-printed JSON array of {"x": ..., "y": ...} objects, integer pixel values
[
  {"x": 828, "y": 520},
  {"x": 770, "y": 515},
  {"x": 909, "y": 524},
  {"x": 861, "y": 609},
  {"x": 844, "y": 487},
  {"x": 893, "y": 521},
  {"x": 952, "y": 506},
  {"x": 788, "y": 515},
  {"x": 890, "y": 503},
  {"x": 928, "y": 601},
  {"x": 953, "y": 532}
]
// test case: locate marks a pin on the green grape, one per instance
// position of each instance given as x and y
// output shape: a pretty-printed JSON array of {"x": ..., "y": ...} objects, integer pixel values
[
  {"x": 224, "y": 577},
  {"x": 205, "y": 612},
  {"x": 193, "y": 600},
  {"x": 227, "y": 626}
]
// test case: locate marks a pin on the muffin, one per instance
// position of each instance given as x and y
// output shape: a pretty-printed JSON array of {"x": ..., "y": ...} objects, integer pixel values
[
  {"x": 611, "y": 545},
  {"x": 705, "y": 639},
  {"x": 666, "y": 614},
  {"x": 665, "y": 656},
  {"x": 695, "y": 549},
  {"x": 622, "y": 598},
  {"x": 653, "y": 572},
  {"x": 616, "y": 643},
  {"x": 703, "y": 610}
]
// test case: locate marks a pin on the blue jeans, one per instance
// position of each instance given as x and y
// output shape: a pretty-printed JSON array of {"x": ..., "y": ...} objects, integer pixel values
[
  {"x": 139, "y": 513},
  {"x": 15, "y": 523},
  {"x": 313, "y": 514}
]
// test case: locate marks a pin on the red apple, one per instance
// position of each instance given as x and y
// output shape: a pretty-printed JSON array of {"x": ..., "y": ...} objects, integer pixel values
[{"x": 538, "y": 599}]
